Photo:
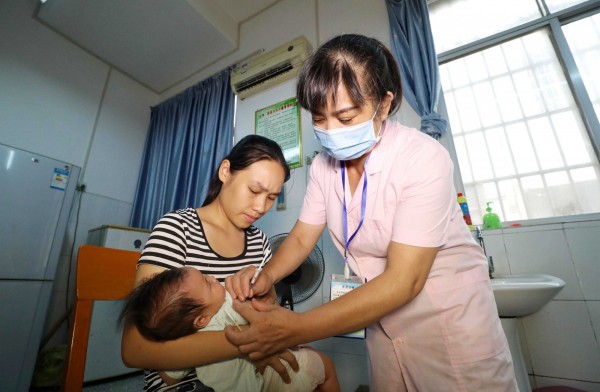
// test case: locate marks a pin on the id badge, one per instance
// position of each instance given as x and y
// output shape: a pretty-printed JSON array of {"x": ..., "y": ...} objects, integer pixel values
[{"x": 340, "y": 286}]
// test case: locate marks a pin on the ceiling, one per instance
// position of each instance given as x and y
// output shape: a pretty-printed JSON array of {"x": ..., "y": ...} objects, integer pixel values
[{"x": 159, "y": 43}]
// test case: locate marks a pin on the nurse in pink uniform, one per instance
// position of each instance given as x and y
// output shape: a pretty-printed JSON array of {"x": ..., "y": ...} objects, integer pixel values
[{"x": 386, "y": 195}]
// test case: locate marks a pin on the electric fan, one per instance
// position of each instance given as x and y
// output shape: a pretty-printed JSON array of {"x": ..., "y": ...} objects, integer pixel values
[{"x": 304, "y": 281}]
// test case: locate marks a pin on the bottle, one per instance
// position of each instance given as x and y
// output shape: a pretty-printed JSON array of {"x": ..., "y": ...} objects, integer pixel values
[
  {"x": 491, "y": 220},
  {"x": 462, "y": 201}
]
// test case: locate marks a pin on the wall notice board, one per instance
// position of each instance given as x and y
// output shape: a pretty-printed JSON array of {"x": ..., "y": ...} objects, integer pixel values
[{"x": 281, "y": 122}]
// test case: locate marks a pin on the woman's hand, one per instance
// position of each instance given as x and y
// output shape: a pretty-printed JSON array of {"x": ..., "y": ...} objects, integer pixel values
[
  {"x": 272, "y": 329},
  {"x": 238, "y": 284},
  {"x": 276, "y": 362}
]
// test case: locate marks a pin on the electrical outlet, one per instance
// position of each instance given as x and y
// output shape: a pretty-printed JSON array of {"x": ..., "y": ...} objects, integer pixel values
[{"x": 80, "y": 187}]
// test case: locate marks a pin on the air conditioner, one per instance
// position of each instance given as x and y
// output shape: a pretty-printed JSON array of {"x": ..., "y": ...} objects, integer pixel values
[{"x": 269, "y": 69}]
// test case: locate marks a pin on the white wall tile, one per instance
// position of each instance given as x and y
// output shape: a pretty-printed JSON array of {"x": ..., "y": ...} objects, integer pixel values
[
  {"x": 543, "y": 252},
  {"x": 589, "y": 223},
  {"x": 494, "y": 247},
  {"x": 562, "y": 343},
  {"x": 538, "y": 227},
  {"x": 585, "y": 250}
]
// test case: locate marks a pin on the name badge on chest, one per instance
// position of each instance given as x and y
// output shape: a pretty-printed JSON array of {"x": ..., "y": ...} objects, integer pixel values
[{"x": 340, "y": 286}]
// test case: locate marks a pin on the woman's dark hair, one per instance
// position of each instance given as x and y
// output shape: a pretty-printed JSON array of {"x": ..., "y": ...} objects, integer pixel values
[
  {"x": 363, "y": 65},
  {"x": 249, "y": 150},
  {"x": 159, "y": 309}
]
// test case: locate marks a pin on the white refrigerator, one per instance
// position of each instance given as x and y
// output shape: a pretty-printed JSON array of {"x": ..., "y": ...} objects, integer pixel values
[
  {"x": 36, "y": 196},
  {"x": 104, "y": 348}
]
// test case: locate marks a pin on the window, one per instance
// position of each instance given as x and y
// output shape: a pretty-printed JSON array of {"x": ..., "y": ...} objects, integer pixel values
[
  {"x": 584, "y": 40},
  {"x": 521, "y": 134},
  {"x": 458, "y": 22}
]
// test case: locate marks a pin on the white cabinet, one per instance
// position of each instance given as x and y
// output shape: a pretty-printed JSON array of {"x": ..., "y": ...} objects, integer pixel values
[{"x": 104, "y": 347}]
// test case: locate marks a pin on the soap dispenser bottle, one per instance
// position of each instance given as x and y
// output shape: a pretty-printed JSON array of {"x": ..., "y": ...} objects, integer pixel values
[{"x": 491, "y": 220}]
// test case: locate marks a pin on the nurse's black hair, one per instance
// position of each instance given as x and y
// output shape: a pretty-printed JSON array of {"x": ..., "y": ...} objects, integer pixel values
[
  {"x": 248, "y": 150},
  {"x": 363, "y": 65}
]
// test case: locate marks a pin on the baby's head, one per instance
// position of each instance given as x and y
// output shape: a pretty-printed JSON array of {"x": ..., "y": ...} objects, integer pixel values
[{"x": 173, "y": 303}]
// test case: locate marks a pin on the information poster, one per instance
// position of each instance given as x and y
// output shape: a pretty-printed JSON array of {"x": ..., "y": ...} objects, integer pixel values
[{"x": 281, "y": 122}]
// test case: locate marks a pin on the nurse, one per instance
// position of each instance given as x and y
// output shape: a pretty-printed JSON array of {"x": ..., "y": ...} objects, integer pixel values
[{"x": 386, "y": 195}]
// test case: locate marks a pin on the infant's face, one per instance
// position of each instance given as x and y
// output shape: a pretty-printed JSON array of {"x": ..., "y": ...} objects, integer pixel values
[{"x": 205, "y": 289}]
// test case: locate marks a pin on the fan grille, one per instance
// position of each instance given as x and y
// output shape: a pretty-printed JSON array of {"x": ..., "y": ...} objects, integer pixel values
[{"x": 306, "y": 279}]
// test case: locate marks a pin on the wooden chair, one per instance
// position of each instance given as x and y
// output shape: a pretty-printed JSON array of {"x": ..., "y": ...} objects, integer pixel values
[{"x": 102, "y": 274}]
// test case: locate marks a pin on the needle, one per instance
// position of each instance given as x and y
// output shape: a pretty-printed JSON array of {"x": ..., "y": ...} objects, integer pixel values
[{"x": 260, "y": 267}]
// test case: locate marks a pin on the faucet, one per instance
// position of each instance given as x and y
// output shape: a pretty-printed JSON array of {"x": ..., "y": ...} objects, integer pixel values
[
  {"x": 491, "y": 267},
  {"x": 479, "y": 235}
]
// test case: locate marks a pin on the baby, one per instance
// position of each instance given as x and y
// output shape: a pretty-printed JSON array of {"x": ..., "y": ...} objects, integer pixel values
[{"x": 182, "y": 301}]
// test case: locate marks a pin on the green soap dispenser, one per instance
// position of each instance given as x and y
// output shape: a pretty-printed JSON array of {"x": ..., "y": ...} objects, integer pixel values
[{"x": 491, "y": 220}]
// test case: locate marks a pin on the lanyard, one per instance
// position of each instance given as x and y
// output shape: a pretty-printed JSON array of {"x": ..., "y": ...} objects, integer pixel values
[{"x": 363, "y": 207}]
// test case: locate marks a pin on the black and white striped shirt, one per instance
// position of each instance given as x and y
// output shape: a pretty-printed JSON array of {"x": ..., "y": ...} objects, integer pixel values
[{"x": 178, "y": 240}]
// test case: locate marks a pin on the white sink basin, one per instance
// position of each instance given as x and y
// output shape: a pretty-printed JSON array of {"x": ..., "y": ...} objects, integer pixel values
[{"x": 522, "y": 295}]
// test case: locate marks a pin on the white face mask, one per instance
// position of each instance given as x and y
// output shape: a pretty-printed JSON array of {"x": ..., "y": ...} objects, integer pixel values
[{"x": 347, "y": 143}]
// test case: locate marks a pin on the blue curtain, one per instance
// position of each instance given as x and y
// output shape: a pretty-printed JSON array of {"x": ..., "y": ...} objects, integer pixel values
[
  {"x": 188, "y": 136},
  {"x": 412, "y": 45}
]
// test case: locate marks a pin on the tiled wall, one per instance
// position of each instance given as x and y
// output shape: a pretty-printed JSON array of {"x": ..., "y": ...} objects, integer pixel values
[{"x": 561, "y": 342}]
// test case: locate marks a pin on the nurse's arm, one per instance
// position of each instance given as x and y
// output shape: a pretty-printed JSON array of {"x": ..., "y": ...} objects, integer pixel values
[{"x": 403, "y": 279}]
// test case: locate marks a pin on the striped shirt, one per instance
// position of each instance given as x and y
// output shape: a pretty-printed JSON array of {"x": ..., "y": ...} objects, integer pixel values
[{"x": 178, "y": 240}]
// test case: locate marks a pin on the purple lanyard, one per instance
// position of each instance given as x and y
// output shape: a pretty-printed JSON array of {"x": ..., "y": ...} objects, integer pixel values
[{"x": 363, "y": 207}]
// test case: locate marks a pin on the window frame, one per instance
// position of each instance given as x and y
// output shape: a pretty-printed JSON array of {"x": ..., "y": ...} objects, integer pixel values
[{"x": 553, "y": 22}]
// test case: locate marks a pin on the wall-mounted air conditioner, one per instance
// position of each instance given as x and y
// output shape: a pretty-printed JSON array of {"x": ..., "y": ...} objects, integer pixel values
[{"x": 271, "y": 68}]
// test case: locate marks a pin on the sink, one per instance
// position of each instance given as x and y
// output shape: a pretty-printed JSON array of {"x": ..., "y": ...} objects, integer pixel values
[
  {"x": 518, "y": 296},
  {"x": 522, "y": 295}
]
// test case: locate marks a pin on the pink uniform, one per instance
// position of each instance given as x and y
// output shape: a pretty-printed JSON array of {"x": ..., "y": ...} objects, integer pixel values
[{"x": 449, "y": 337}]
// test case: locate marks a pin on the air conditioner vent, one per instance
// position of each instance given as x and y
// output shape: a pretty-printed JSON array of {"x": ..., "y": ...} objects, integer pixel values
[
  {"x": 269, "y": 69},
  {"x": 261, "y": 77}
]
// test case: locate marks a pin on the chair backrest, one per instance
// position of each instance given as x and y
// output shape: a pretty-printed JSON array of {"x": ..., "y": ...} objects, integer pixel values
[{"x": 102, "y": 274}]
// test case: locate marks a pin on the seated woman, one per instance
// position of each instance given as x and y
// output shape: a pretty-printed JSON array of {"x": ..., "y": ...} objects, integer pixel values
[{"x": 218, "y": 239}]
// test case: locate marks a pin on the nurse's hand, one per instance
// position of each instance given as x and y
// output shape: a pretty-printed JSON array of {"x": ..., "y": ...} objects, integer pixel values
[
  {"x": 271, "y": 329},
  {"x": 238, "y": 284}
]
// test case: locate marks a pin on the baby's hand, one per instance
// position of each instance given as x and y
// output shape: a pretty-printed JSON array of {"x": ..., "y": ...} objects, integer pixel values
[{"x": 276, "y": 362}]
